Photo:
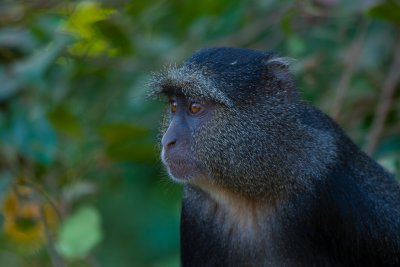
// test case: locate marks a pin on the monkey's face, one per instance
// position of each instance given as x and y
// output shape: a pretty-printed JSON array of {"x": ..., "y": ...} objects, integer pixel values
[
  {"x": 209, "y": 143},
  {"x": 185, "y": 118},
  {"x": 217, "y": 128}
]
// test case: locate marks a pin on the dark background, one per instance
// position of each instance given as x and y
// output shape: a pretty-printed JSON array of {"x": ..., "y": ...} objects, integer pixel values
[{"x": 80, "y": 179}]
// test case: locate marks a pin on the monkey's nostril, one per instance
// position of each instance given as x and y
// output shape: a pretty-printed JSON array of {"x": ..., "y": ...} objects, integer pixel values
[{"x": 171, "y": 143}]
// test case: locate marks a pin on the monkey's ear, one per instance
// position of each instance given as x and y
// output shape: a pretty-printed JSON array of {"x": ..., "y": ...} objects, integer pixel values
[{"x": 279, "y": 67}]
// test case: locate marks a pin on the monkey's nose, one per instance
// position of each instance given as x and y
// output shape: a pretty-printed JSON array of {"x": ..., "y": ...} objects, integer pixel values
[
  {"x": 170, "y": 138},
  {"x": 168, "y": 142}
]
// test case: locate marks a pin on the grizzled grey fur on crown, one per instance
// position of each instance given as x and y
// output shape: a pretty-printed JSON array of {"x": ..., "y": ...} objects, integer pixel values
[{"x": 276, "y": 182}]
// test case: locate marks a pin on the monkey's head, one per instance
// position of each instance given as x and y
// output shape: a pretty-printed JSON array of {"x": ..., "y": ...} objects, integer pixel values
[{"x": 233, "y": 122}]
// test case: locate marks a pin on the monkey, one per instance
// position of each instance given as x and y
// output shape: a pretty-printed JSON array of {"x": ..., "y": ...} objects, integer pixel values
[{"x": 268, "y": 179}]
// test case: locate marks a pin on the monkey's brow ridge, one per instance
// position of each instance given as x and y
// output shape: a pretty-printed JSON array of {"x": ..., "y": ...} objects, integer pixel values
[{"x": 193, "y": 83}]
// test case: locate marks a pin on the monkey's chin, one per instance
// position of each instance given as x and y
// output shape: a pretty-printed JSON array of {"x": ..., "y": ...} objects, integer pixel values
[
  {"x": 180, "y": 169},
  {"x": 180, "y": 174}
]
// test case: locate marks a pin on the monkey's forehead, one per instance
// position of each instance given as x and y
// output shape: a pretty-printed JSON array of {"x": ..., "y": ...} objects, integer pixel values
[{"x": 194, "y": 83}]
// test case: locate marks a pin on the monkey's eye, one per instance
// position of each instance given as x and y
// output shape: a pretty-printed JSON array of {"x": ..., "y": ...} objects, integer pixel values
[
  {"x": 195, "y": 108},
  {"x": 173, "y": 106}
]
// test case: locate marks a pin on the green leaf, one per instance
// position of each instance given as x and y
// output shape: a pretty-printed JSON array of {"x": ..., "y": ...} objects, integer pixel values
[
  {"x": 63, "y": 120},
  {"x": 389, "y": 11},
  {"x": 34, "y": 136},
  {"x": 33, "y": 69},
  {"x": 115, "y": 36},
  {"x": 296, "y": 45},
  {"x": 80, "y": 233}
]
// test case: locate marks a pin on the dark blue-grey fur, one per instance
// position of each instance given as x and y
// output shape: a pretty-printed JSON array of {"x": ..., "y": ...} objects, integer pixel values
[{"x": 305, "y": 194}]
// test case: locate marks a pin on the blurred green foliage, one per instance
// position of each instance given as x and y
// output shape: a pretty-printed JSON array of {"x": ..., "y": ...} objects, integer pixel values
[{"x": 76, "y": 129}]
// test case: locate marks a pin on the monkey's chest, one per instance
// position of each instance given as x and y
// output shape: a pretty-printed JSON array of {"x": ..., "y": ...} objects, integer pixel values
[{"x": 214, "y": 236}]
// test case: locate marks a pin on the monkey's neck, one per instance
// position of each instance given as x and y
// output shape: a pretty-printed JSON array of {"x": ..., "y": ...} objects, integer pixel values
[{"x": 231, "y": 211}]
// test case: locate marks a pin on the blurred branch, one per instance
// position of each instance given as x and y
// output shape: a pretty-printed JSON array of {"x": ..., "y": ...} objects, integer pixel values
[
  {"x": 351, "y": 62},
  {"x": 385, "y": 100},
  {"x": 56, "y": 259}
]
